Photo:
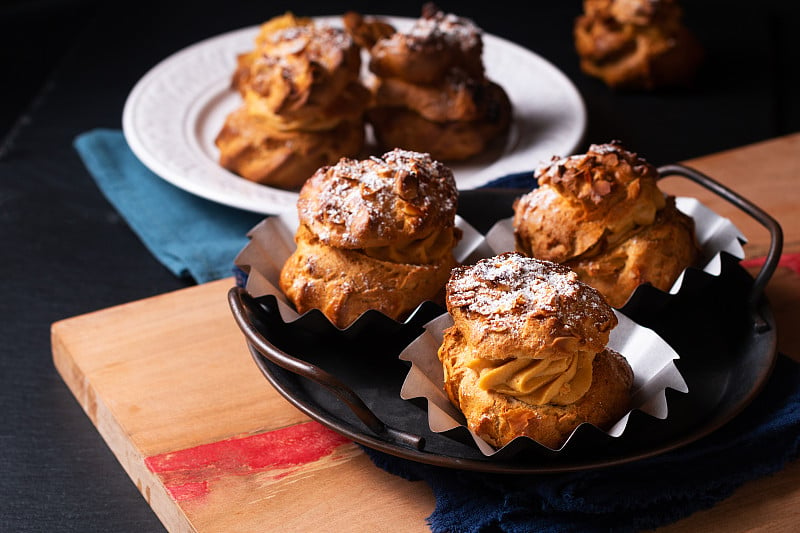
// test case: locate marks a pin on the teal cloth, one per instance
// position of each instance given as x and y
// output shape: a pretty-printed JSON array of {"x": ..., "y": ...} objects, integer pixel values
[{"x": 191, "y": 236}]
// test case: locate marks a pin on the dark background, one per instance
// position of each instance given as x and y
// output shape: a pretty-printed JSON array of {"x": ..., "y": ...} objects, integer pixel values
[{"x": 66, "y": 66}]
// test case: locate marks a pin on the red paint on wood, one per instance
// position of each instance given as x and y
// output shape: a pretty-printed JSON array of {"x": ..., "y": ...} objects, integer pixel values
[
  {"x": 188, "y": 491},
  {"x": 186, "y": 473},
  {"x": 791, "y": 261}
]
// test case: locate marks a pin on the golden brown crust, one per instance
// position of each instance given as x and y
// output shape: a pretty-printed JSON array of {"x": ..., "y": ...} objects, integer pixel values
[
  {"x": 348, "y": 106},
  {"x": 376, "y": 234},
  {"x": 430, "y": 89},
  {"x": 657, "y": 254},
  {"x": 447, "y": 140},
  {"x": 252, "y": 148},
  {"x": 303, "y": 103},
  {"x": 296, "y": 63},
  {"x": 585, "y": 200},
  {"x": 242, "y": 73},
  {"x": 344, "y": 283},
  {"x": 366, "y": 30},
  {"x": 437, "y": 43},
  {"x": 603, "y": 214},
  {"x": 636, "y": 44},
  {"x": 513, "y": 309},
  {"x": 399, "y": 197},
  {"x": 500, "y": 418},
  {"x": 512, "y": 305},
  {"x": 455, "y": 97}
]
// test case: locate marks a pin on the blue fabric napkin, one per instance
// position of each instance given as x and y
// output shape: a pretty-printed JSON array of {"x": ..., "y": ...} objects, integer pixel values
[
  {"x": 644, "y": 494},
  {"x": 191, "y": 236},
  {"x": 197, "y": 238}
]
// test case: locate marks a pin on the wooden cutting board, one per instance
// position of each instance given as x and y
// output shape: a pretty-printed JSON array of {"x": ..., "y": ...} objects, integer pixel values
[{"x": 170, "y": 385}]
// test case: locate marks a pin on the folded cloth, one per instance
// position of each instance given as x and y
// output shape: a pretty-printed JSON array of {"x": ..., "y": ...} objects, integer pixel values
[
  {"x": 643, "y": 494},
  {"x": 191, "y": 236}
]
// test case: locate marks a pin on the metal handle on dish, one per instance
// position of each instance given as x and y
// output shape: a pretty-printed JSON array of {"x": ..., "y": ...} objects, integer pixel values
[
  {"x": 776, "y": 234},
  {"x": 244, "y": 305}
]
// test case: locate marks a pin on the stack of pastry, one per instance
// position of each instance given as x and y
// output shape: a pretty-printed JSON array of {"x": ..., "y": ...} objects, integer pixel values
[
  {"x": 375, "y": 234},
  {"x": 603, "y": 215},
  {"x": 527, "y": 354},
  {"x": 303, "y": 103},
  {"x": 430, "y": 90},
  {"x": 636, "y": 44}
]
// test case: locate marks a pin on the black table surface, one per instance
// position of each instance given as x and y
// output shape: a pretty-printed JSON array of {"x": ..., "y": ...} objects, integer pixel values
[{"x": 68, "y": 66}]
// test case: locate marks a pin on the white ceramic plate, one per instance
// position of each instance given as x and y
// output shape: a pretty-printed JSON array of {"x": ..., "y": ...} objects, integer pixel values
[{"x": 175, "y": 111}]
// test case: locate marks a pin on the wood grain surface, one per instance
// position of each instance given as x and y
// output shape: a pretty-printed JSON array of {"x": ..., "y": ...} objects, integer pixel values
[{"x": 169, "y": 384}]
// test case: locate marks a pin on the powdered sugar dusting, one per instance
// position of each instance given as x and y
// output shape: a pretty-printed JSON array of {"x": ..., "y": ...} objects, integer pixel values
[
  {"x": 509, "y": 288},
  {"x": 448, "y": 28},
  {"x": 288, "y": 54},
  {"x": 326, "y": 36},
  {"x": 379, "y": 197}
]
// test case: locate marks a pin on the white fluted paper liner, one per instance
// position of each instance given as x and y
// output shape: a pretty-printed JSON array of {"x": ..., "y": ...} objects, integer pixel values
[
  {"x": 715, "y": 234},
  {"x": 272, "y": 242},
  {"x": 650, "y": 357}
]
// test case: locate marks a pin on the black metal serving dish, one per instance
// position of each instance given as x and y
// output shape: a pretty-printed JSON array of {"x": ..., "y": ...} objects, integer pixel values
[{"x": 349, "y": 380}]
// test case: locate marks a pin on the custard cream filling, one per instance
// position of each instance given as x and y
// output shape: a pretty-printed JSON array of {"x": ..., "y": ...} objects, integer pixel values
[
  {"x": 560, "y": 379},
  {"x": 427, "y": 250}
]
